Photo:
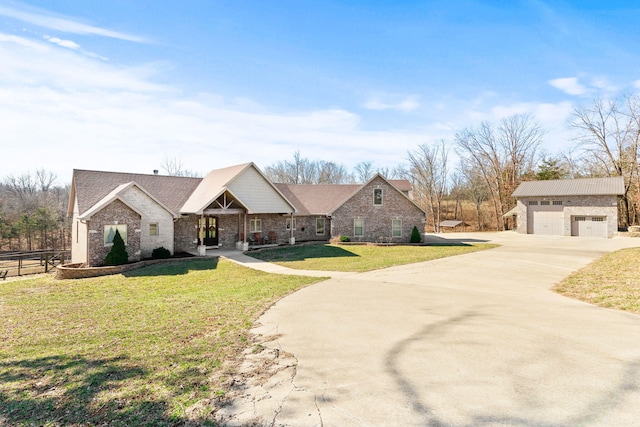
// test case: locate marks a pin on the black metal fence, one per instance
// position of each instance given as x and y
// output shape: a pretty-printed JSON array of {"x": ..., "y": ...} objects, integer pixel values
[{"x": 23, "y": 263}]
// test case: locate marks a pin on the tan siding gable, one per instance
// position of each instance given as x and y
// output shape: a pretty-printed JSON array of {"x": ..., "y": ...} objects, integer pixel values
[{"x": 257, "y": 193}]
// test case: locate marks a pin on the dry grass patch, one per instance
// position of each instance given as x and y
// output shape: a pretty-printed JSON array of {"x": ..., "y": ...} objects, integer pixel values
[{"x": 613, "y": 281}]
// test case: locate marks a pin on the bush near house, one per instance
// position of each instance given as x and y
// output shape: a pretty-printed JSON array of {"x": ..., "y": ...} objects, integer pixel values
[
  {"x": 161, "y": 253},
  {"x": 415, "y": 235},
  {"x": 118, "y": 253}
]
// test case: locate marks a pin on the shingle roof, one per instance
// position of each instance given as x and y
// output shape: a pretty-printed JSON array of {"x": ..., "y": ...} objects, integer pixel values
[
  {"x": 571, "y": 187},
  {"x": 317, "y": 199},
  {"x": 211, "y": 186},
  {"x": 92, "y": 186}
]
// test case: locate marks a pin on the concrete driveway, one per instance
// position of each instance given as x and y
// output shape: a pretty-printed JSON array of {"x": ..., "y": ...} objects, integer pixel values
[{"x": 473, "y": 340}]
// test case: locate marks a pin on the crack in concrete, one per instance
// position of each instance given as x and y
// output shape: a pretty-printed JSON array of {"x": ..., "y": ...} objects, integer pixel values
[{"x": 293, "y": 386}]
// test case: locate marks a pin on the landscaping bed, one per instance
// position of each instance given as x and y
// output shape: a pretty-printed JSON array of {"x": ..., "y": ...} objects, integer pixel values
[{"x": 80, "y": 271}]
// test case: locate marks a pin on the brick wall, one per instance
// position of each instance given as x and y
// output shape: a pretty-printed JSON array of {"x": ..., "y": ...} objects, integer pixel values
[
  {"x": 377, "y": 219},
  {"x": 186, "y": 234},
  {"x": 115, "y": 213}
]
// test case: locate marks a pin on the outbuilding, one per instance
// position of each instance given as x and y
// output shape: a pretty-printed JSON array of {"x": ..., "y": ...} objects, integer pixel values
[{"x": 569, "y": 207}]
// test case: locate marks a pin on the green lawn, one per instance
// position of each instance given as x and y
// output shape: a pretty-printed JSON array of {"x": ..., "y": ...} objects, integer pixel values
[
  {"x": 144, "y": 348},
  {"x": 359, "y": 258},
  {"x": 613, "y": 281}
]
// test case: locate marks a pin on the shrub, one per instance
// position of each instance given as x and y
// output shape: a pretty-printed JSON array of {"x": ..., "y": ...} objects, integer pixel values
[
  {"x": 118, "y": 254},
  {"x": 415, "y": 235},
  {"x": 161, "y": 253},
  {"x": 345, "y": 239}
]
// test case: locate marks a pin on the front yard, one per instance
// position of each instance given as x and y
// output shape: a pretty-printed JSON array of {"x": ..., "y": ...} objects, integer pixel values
[
  {"x": 359, "y": 258},
  {"x": 612, "y": 281},
  {"x": 148, "y": 347},
  {"x": 153, "y": 346}
]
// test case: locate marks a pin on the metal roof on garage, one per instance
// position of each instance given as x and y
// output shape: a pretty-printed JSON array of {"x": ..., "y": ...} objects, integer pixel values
[{"x": 571, "y": 187}]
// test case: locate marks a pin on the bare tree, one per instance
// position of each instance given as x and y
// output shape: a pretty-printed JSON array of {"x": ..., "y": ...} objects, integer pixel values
[
  {"x": 428, "y": 169},
  {"x": 364, "y": 171},
  {"x": 174, "y": 167},
  {"x": 333, "y": 173},
  {"x": 609, "y": 139},
  {"x": 301, "y": 170},
  {"x": 502, "y": 155},
  {"x": 475, "y": 188}
]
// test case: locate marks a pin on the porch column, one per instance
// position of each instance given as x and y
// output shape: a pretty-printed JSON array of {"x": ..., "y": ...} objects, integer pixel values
[
  {"x": 202, "y": 249},
  {"x": 292, "y": 239}
]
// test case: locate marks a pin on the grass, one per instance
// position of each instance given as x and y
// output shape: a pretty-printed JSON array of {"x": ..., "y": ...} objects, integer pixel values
[
  {"x": 149, "y": 347},
  {"x": 612, "y": 281},
  {"x": 359, "y": 258}
]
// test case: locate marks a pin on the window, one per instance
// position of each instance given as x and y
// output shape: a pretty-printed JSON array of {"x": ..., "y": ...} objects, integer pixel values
[
  {"x": 396, "y": 228},
  {"x": 289, "y": 222},
  {"x": 377, "y": 196},
  {"x": 110, "y": 232},
  {"x": 533, "y": 203},
  {"x": 319, "y": 226},
  {"x": 579, "y": 218},
  {"x": 153, "y": 229},
  {"x": 557, "y": 203},
  {"x": 544, "y": 203},
  {"x": 255, "y": 225},
  {"x": 597, "y": 218},
  {"x": 358, "y": 227}
]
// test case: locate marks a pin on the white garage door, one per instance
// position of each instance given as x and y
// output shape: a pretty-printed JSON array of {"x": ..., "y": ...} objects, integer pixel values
[
  {"x": 545, "y": 218},
  {"x": 589, "y": 226}
]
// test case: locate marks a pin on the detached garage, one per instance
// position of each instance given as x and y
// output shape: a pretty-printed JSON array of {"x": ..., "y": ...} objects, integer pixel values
[{"x": 569, "y": 207}]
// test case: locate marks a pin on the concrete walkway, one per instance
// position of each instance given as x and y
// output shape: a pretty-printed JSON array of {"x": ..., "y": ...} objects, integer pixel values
[
  {"x": 473, "y": 340},
  {"x": 240, "y": 258}
]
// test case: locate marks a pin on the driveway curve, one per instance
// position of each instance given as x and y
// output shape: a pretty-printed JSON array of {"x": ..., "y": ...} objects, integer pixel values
[{"x": 473, "y": 340}]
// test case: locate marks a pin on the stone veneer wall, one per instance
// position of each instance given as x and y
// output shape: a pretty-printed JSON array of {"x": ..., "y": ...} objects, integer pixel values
[
  {"x": 576, "y": 206},
  {"x": 377, "y": 219},
  {"x": 115, "y": 213}
]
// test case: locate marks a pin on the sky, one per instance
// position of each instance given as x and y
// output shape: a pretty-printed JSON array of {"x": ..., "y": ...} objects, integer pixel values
[{"x": 126, "y": 85}]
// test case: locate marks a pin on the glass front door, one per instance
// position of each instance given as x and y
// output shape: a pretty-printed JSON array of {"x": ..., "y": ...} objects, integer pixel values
[{"x": 208, "y": 231}]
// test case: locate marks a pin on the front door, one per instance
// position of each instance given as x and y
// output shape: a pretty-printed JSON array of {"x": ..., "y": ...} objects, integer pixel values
[{"x": 208, "y": 231}]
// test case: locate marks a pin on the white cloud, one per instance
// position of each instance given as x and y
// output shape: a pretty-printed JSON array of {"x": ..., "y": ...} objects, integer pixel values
[
  {"x": 44, "y": 19},
  {"x": 409, "y": 103},
  {"x": 76, "y": 112},
  {"x": 63, "y": 43},
  {"x": 569, "y": 85}
]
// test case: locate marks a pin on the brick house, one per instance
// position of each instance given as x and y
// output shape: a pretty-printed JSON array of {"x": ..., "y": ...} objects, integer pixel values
[
  {"x": 569, "y": 207},
  {"x": 230, "y": 207}
]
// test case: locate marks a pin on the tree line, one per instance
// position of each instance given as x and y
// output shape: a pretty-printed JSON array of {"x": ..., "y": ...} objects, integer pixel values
[
  {"x": 482, "y": 166},
  {"x": 33, "y": 212},
  {"x": 469, "y": 178}
]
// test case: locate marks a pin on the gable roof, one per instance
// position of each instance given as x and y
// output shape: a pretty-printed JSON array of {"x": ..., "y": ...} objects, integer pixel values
[
  {"x": 324, "y": 199},
  {"x": 92, "y": 186},
  {"x": 571, "y": 187},
  {"x": 317, "y": 199},
  {"x": 108, "y": 199},
  {"x": 232, "y": 179},
  {"x": 116, "y": 195}
]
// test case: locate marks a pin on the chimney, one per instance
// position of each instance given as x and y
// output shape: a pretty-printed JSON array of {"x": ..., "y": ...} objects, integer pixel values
[{"x": 155, "y": 171}]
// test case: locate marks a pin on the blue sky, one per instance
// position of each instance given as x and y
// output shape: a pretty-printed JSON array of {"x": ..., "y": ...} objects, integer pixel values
[{"x": 123, "y": 85}]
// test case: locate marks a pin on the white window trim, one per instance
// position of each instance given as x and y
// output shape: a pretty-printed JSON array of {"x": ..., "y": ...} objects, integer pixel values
[
  {"x": 157, "y": 229},
  {"x": 324, "y": 225},
  {"x": 255, "y": 225},
  {"x": 123, "y": 235},
  {"x": 361, "y": 227},
  {"x": 289, "y": 222},
  {"x": 392, "y": 228},
  {"x": 381, "y": 197}
]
